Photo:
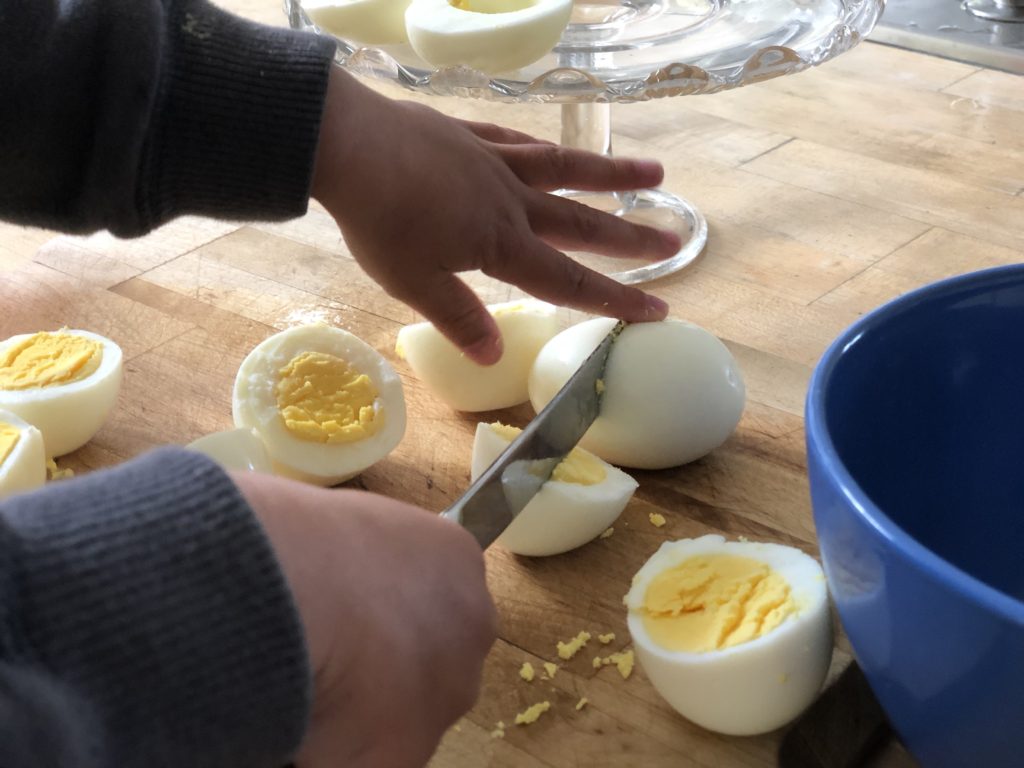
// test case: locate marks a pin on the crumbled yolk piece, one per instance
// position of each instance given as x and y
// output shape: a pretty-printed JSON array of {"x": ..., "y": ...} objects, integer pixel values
[
  {"x": 48, "y": 360},
  {"x": 579, "y": 467},
  {"x": 526, "y": 672},
  {"x": 715, "y": 601},
  {"x": 58, "y": 473},
  {"x": 9, "y": 436},
  {"x": 657, "y": 519},
  {"x": 599, "y": 386},
  {"x": 582, "y": 703},
  {"x": 623, "y": 662},
  {"x": 550, "y": 669},
  {"x": 499, "y": 731},
  {"x": 605, "y": 639},
  {"x": 323, "y": 399},
  {"x": 568, "y": 650},
  {"x": 607, "y": 532},
  {"x": 532, "y": 714}
]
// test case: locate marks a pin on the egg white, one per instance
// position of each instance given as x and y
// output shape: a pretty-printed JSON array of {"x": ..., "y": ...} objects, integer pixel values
[
  {"x": 254, "y": 405},
  {"x": 25, "y": 467},
  {"x": 465, "y": 386},
  {"x": 756, "y": 686},
  {"x": 366, "y": 21},
  {"x": 561, "y": 516},
  {"x": 68, "y": 415},
  {"x": 672, "y": 391},
  {"x": 489, "y": 38},
  {"x": 240, "y": 449}
]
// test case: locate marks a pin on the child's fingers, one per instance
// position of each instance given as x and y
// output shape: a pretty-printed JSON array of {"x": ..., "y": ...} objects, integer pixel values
[{"x": 553, "y": 167}]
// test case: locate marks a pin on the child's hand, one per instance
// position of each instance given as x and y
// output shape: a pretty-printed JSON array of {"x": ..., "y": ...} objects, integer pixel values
[
  {"x": 396, "y": 615},
  {"x": 420, "y": 197}
]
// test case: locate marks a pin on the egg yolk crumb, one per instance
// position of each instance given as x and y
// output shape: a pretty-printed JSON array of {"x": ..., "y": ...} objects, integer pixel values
[
  {"x": 657, "y": 519},
  {"x": 579, "y": 467},
  {"x": 710, "y": 602},
  {"x": 533, "y": 713},
  {"x": 607, "y": 533},
  {"x": 526, "y": 672},
  {"x": 568, "y": 650},
  {"x": 9, "y": 436},
  {"x": 582, "y": 703},
  {"x": 48, "y": 360},
  {"x": 323, "y": 399},
  {"x": 550, "y": 669},
  {"x": 605, "y": 639},
  {"x": 499, "y": 731},
  {"x": 623, "y": 662},
  {"x": 58, "y": 473}
]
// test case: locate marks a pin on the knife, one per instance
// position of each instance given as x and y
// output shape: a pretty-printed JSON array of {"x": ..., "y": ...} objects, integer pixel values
[{"x": 506, "y": 487}]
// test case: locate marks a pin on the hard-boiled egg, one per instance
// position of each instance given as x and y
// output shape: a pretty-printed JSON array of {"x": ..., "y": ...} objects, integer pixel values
[
  {"x": 365, "y": 21},
  {"x": 672, "y": 391},
  {"x": 735, "y": 636},
  {"x": 235, "y": 449},
  {"x": 583, "y": 497},
  {"x": 64, "y": 383},
  {"x": 325, "y": 404},
  {"x": 489, "y": 35},
  {"x": 22, "y": 456},
  {"x": 525, "y": 327}
]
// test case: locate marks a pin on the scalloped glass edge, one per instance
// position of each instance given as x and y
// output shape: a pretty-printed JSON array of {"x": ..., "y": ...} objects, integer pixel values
[{"x": 567, "y": 85}]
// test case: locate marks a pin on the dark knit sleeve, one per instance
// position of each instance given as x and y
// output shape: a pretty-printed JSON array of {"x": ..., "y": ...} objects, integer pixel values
[
  {"x": 122, "y": 114},
  {"x": 151, "y": 595}
]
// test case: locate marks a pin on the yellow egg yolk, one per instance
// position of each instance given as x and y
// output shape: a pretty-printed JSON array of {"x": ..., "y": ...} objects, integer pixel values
[
  {"x": 323, "y": 399},
  {"x": 710, "y": 602},
  {"x": 9, "y": 436},
  {"x": 48, "y": 360},
  {"x": 579, "y": 467}
]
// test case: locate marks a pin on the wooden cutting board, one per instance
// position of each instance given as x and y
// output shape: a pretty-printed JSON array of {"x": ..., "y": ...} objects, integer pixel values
[{"x": 827, "y": 193}]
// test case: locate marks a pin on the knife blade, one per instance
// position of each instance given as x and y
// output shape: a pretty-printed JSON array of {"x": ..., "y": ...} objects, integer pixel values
[{"x": 506, "y": 487}]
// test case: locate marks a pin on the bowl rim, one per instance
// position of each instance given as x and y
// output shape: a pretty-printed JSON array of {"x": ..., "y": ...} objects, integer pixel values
[{"x": 936, "y": 567}]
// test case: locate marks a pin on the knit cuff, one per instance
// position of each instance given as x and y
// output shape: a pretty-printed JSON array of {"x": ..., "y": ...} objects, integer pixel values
[
  {"x": 153, "y": 592},
  {"x": 237, "y": 118}
]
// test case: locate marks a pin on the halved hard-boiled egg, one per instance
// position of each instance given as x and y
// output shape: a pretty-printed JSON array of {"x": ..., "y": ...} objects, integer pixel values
[
  {"x": 525, "y": 327},
  {"x": 63, "y": 382},
  {"x": 489, "y": 35},
  {"x": 325, "y": 404},
  {"x": 22, "y": 456},
  {"x": 735, "y": 635},
  {"x": 672, "y": 392},
  {"x": 365, "y": 21},
  {"x": 583, "y": 497},
  {"x": 240, "y": 449}
]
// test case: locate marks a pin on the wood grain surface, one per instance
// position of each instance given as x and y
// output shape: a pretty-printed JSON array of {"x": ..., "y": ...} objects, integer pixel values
[{"x": 827, "y": 193}]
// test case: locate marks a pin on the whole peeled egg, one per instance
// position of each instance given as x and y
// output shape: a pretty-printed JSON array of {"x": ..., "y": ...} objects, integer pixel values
[
  {"x": 672, "y": 392},
  {"x": 324, "y": 403},
  {"x": 525, "y": 327},
  {"x": 64, "y": 383},
  {"x": 734, "y": 635},
  {"x": 22, "y": 456},
  {"x": 489, "y": 35},
  {"x": 238, "y": 449},
  {"x": 366, "y": 21},
  {"x": 583, "y": 497}
]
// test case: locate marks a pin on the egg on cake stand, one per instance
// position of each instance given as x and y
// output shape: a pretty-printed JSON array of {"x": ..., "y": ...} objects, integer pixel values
[{"x": 615, "y": 51}]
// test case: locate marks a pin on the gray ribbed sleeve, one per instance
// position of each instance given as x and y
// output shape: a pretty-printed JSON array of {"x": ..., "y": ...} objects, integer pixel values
[
  {"x": 122, "y": 114},
  {"x": 151, "y": 594}
]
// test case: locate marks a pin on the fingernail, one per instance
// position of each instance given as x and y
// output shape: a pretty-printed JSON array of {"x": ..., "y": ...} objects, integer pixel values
[
  {"x": 656, "y": 308},
  {"x": 487, "y": 351},
  {"x": 672, "y": 240},
  {"x": 647, "y": 166}
]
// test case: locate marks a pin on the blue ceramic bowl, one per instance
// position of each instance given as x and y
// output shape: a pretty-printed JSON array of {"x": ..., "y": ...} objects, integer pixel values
[{"x": 915, "y": 441}]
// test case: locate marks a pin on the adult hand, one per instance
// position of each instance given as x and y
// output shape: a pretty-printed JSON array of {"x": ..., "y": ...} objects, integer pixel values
[
  {"x": 420, "y": 197},
  {"x": 397, "y": 618}
]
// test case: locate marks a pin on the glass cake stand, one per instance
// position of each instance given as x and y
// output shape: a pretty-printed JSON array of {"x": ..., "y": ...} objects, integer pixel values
[{"x": 634, "y": 50}]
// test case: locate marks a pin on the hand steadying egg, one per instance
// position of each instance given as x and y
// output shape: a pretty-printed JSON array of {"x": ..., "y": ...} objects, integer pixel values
[
  {"x": 22, "y": 456},
  {"x": 525, "y": 327},
  {"x": 735, "y": 636},
  {"x": 64, "y": 383},
  {"x": 489, "y": 35},
  {"x": 672, "y": 392},
  {"x": 583, "y": 497},
  {"x": 325, "y": 404}
]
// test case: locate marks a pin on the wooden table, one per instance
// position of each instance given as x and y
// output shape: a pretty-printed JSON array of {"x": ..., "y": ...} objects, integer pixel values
[{"x": 827, "y": 194}]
